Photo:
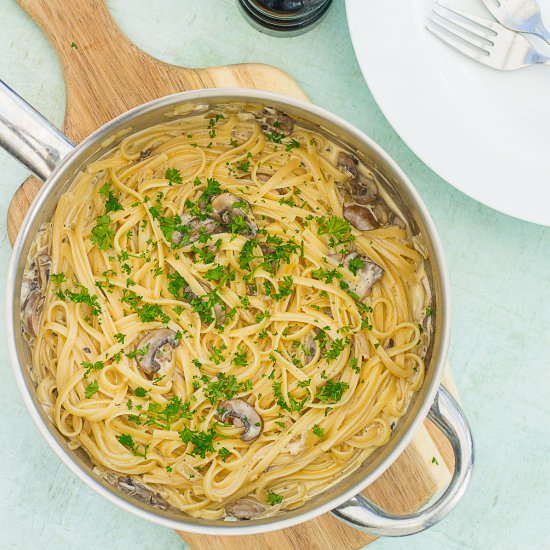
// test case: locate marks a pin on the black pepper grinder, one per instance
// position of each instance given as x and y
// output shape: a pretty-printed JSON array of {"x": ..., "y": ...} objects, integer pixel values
[{"x": 284, "y": 17}]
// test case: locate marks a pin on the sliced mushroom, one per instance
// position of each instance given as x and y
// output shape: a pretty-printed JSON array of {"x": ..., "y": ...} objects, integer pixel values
[
  {"x": 311, "y": 346},
  {"x": 225, "y": 210},
  {"x": 197, "y": 228},
  {"x": 360, "y": 217},
  {"x": 44, "y": 264},
  {"x": 277, "y": 121},
  {"x": 132, "y": 488},
  {"x": 366, "y": 275},
  {"x": 362, "y": 205},
  {"x": 218, "y": 309},
  {"x": 347, "y": 163},
  {"x": 33, "y": 311},
  {"x": 245, "y": 508},
  {"x": 146, "y": 153},
  {"x": 242, "y": 414},
  {"x": 158, "y": 352}
]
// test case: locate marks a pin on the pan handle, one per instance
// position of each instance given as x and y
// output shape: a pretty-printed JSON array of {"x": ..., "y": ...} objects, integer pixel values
[
  {"x": 28, "y": 136},
  {"x": 364, "y": 515}
]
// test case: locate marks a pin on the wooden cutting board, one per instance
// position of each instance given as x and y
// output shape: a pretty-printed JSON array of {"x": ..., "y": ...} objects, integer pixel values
[{"x": 105, "y": 75}]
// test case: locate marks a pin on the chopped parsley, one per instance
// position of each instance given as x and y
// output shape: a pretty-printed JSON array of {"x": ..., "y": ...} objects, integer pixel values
[
  {"x": 318, "y": 431},
  {"x": 336, "y": 348},
  {"x": 240, "y": 359},
  {"x": 295, "y": 405},
  {"x": 275, "y": 137},
  {"x": 128, "y": 441},
  {"x": 338, "y": 229},
  {"x": 224, "y": 453},
  {"x": 112, "y": 204},
  {"x": 217, "y": 355},
  {"x": 223, "y": 387},
  {"x": 102, "y": 233},
  {"x": 273, "y": 498},
  {"x": 355, "y": 264},
  {"x": 292, "y": 144},
  {"x": 97, "y": 365},
  {"x": 244, "y": 166},
  {"x": 354, "y": 364},
  {"x": 91, "y": 388},
  {"x": 58, "y": 278},
  {"x": 173, "y": 176},
  {"x": 203, "y": 442},
  {"x": 331, "y": 392},
  {"x": 163, "y": 418}
]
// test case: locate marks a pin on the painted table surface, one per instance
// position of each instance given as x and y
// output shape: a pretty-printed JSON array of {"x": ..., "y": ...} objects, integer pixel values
[{"x": 499, "y": 268}]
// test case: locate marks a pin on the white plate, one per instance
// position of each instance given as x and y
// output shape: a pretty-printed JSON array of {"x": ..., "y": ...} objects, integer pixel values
[{"x": 486, "y": 132}]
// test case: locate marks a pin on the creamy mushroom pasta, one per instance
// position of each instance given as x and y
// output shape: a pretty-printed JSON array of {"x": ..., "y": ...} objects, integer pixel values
[{"x": 227, "y": 313}]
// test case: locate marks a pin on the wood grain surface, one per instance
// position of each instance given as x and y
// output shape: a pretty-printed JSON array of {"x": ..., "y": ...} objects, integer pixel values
[{"x": 105, "y": 75}]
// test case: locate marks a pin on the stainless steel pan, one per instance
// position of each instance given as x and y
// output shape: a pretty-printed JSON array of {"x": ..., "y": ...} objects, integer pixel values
[{"x": 54, "y": 159}]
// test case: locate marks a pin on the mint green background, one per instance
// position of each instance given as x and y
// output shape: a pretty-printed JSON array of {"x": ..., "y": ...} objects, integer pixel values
[{"x": 499, "y": 268}]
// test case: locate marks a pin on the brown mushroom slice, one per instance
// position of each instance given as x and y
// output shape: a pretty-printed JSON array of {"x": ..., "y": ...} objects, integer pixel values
[
  {"x": 218, "y": 309},
  {"x": 311, "y": 346},
  {"x": 146, "y": 153},
  {"x": 197, "y": 228},
  {"x": 245, "y": 508},
  {"x": 367, "y": 275},
  {"x": 129, "y": 486},
  {"x": 158, "y": 354},
  {"x": 44, "y": 265},
  {"x": 275, "y": 121},
  {"x": 360, "y": 217},
  {"x": 33, "y": 311},
  {"x": 225, "y": 209},
  {"x": 242, "y": 414},
  {"x": 347, "y": 163}
]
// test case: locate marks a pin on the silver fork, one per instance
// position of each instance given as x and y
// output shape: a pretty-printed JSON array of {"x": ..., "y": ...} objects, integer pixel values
[
  {"x": 485, "y": 41},
  {"x": 519, "y": 15}
]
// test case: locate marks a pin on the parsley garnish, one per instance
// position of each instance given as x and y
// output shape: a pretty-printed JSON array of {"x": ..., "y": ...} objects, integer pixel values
[
  {"x": 223, "y": 387},
  {"x": 331, "y": 391},
  {"x": 58, "y": 278},
  {"x": 82, "y": 297},
  {"x": 224, "y": 453},
  {"x": 244, "y": 166},
  {"x": 102, "y": 234},
  {"x": 91, "y": 388},
  {"x": 336, "y": 348},
  {"x": 173, "y": 175},
  {"x": 273, "y": 498},
  {"x": 240, "y": 359},
  {"x": 292, "y": 145},
  {"x": 318, "y": 431},
  {"x": 275, "y": 137},
  {"x": 112, "y": 204},
  {"x": 128, "y": 441},
  {"x": 337, "y": 228},
  {"x": 202, "y": 441},
  {"x": 355, "y": 264}
]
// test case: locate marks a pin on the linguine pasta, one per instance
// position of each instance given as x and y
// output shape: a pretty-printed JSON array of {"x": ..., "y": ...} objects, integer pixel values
[{"x": 211, "y": 321}]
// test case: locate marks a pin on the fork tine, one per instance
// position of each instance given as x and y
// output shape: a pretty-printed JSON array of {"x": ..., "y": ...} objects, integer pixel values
[
  {"x": 477, "y": 25},
  {"x": 456, "y": 41},
  {"x": 456, "y": 28}
]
